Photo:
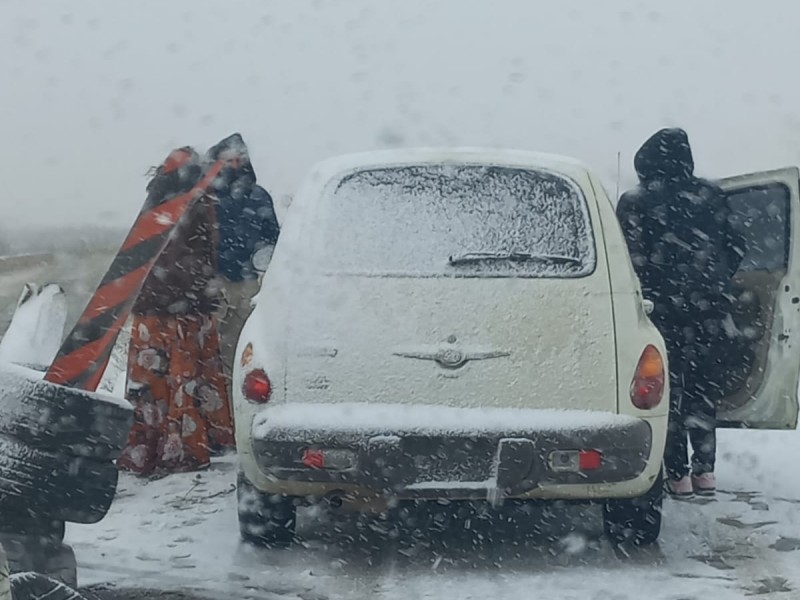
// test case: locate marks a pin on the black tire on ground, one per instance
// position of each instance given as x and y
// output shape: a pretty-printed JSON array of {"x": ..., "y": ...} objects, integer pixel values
[
  {"x": 38, "y": 484},
  {"x": 61, "y": 565},
  {"x": 264, "y": 519},
  {"x": 43, "y": 527},
  {"x": 34, "y": 554},
  {"x": 635, "y": 521},
  {"x": 34, "y": 586},
  {"x": 60, "y": 419}
]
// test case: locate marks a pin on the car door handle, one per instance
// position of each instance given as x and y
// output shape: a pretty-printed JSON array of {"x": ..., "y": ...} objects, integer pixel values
[{"x": 782, "y": 337}]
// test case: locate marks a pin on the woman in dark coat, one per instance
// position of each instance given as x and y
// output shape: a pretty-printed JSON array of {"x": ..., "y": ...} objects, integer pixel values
[{"x": 175, "y": 377}]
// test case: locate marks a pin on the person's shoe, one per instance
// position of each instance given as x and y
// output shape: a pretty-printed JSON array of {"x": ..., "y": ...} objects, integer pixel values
[
  {"x": 680, "y": 488},
  {"x": 704, "y": 484}
]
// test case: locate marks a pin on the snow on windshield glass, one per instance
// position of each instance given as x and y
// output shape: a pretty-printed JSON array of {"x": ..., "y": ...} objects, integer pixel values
[{"x": 457, "y": 220}]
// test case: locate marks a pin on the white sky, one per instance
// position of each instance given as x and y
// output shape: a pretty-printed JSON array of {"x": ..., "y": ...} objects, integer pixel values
[{"x": 92, "y": 93}]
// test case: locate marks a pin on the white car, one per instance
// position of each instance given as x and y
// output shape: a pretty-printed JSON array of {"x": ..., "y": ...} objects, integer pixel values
[{"x": 466, "y": 325}]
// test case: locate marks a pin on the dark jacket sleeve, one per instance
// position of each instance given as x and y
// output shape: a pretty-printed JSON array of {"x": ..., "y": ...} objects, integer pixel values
[
  {"x": 262, "y": 203},
  {"x": 630, "y": 217}
]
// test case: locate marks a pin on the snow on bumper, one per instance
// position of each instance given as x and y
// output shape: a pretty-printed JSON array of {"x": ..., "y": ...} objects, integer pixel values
[{"x": 437, "y": 451}]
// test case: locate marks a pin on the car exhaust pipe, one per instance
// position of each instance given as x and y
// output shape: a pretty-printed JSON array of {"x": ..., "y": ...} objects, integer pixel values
[{"x": 335, "y": 500}]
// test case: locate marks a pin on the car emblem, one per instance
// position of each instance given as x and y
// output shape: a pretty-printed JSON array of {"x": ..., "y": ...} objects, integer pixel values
[{"x": 452, "y": 358}]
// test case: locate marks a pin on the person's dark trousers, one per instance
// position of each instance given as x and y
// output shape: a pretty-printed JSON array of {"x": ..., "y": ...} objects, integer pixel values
[
  {"x": 692, "y": 417},
  {"x": 676, "y": 452},
  {"x": 692, "y": 414}
]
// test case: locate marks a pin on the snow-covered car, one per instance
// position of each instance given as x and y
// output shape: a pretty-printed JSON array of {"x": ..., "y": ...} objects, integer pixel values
[{"x": 466, "y": 325}]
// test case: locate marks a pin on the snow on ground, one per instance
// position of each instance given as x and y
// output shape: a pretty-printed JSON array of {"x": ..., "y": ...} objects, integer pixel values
[{"x": 180, "y": 532}]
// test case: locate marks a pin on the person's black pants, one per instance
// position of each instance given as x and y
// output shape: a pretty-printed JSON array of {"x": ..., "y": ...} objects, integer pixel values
[
  {"x": 692, "y": 417},
  {"x": 693, "y": 340}
]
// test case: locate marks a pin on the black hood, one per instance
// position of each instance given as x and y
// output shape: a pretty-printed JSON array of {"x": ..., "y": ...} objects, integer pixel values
[
  {"x": 238, "y": 172},
  {"x": 665, "y": 156}
]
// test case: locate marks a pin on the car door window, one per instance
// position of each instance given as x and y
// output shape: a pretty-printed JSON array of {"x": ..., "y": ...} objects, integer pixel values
[{"x": 760, "y": 214}]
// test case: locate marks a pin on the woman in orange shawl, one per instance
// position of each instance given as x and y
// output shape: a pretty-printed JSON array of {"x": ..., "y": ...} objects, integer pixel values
[{"x": 175, "y": 377}]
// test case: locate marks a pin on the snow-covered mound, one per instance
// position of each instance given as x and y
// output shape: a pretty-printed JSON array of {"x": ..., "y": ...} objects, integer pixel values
[{"x": 34, "y": 334}]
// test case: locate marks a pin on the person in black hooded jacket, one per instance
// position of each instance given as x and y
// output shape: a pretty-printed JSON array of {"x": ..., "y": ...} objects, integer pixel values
[
  {"x": 685, "y": 252},
  {"x": 246, "y": 223}
]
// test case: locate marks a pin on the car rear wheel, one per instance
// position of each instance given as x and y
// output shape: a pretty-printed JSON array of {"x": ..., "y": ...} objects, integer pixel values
[
  {"x": 265, "y": 519},
  {"x": 635, "y": 521}
]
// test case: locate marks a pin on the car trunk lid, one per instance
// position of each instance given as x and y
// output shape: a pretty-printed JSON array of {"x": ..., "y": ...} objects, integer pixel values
[{"x": 544, "y": 343}]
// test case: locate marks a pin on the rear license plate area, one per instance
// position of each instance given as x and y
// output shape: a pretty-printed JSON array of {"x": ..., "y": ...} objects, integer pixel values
[{"x": 450, "y": 459}]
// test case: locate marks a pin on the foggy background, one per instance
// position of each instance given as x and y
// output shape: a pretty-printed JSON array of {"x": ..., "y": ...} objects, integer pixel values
[{"x": 93, "y": 93}]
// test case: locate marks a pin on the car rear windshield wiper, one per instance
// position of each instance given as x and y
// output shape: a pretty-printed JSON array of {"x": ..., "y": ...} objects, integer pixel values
[{"x": 469, "y": 258}]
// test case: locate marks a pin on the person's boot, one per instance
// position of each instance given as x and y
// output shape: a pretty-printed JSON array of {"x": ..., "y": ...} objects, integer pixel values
[
  {"x": 680, "y": 488},
  {"x": 704, "y": 484}
]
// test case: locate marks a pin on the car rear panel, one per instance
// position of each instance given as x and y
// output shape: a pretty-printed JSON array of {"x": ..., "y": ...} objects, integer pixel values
[
  {"x": 543, "y": 343},
  {"x": 416, "y": 451}
]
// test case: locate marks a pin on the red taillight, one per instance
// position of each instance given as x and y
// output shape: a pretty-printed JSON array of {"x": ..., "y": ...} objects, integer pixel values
[
  {"x": 313, "y": 459},
  {"x": 647, "y": 387},
  {"x": 589, "y": 460},
  {"x": 257, "y": 387}
]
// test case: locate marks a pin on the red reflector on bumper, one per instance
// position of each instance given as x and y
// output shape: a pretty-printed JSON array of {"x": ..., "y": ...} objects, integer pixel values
[
  {"x": 313, "y": 459},
  {"x": 589, "y": 460}
]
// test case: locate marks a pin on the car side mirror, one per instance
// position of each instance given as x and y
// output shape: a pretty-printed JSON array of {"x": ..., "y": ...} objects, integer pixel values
[
  {"x": 262, "y": 258},
  {"x": 649, "y": 307}
]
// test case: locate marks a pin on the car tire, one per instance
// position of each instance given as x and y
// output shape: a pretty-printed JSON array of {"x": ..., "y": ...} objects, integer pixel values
[
  {"x": 265, "y": 519},
  {"x": 59, "y": 419},
  {"x": 39, "y": 484},
  {"x": 635, "y": 521}
]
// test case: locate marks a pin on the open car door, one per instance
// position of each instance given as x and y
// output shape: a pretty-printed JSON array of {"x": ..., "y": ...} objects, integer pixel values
[{"x": 761, "y": 383}]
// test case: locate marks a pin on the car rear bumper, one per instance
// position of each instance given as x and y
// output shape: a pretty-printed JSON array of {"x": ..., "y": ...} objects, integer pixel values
[{"x": 427, "y": 461}]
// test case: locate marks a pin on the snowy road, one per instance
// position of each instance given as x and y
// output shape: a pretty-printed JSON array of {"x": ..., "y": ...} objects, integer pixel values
[{"x": 180, "y": 533}]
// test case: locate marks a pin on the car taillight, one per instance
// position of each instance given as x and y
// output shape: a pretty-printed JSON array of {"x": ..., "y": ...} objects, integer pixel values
[
  {"x": 590, "y": 460},
  {"x": 313, "y": 459},
  {"x": 257, "y": 386},
  {"x": 574, "y": 461},
  {"x": 647, "y": 387}
]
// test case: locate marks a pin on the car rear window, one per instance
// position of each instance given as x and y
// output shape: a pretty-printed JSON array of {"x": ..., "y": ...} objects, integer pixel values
[{"x": 460, "y": 221}]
